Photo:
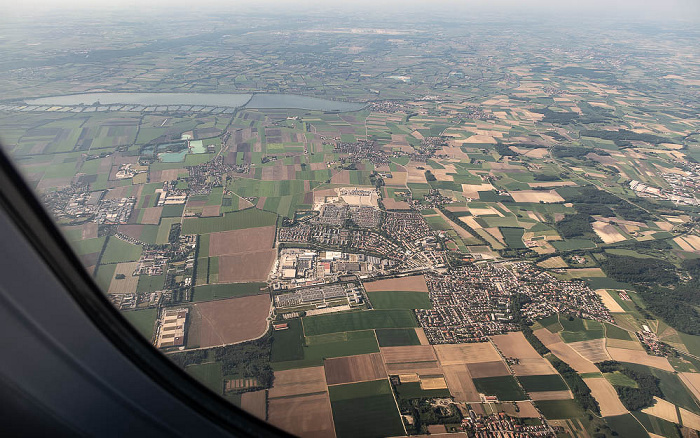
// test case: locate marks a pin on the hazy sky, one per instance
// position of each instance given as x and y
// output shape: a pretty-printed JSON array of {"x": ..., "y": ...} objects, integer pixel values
[{"x": 655, "y": 9}]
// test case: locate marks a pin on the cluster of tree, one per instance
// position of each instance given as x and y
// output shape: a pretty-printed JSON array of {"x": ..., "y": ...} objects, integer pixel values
[
  {"x": 639, "y": 270},
  {"x": 624, "y": 136},
  {"x": 545, "y": 177},
  {"x": 665, "y": 294},
  {"x": 519, "y": 301},
  {"x": 189, "y": 357},
  {"x": 582, "y": 393},
  {"x": 556, "y": 117},
  {"x": 634, "y": 398},
  {"x": 174, "y": 234},
  {"x": 591, "y": 195},
  {"x": 579, "y": 152},
  {"x": 429, "y": 176},
  {"x": 576, "y": 225},
  {"x": 504, "y": 150},
  {"x": 556, "y": 136},
  {"x": 249, "y": 359},
  {"x": 425, "y": 414}
]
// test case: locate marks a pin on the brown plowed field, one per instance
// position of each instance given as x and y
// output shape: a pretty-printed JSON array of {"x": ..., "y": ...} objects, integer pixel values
[
  {"x": 689, "y": 419},
  {"x": 415, "y": 283},
  {"x": 421, "y": 336},
  {"x": 241, "y": 268},
  {"x": 412, "y": 353},
  {"x": 571, "y": 357},
  {"x": 619, "y": 343},
  {"x": 488, "y": 369},
  {"x": 298, "y": 381},
  {"x": 126, "y": 285},
  {"x": 351, "y": 369},
  {"x": 515, "y": 345},
  {"x": 422, "y": 368},
  {"x": 551, "y": 395},
  {"x": 525, "y": 409},
  {"x": 392, "y": 204},
  {"x": 593, "y": 350},
  {"x": 211, "y": 211},
  {"x": 228, "y": 321},
  {"x": 133, "y": 231},
  {"x": 454, "y": 354},
  {"x": 662, "y": 409},
  {"x": 460, "y": 383},
  {"x": 531, "y": 363},
  {"x": 692, "y": 381},
  {"x": 605, "y": 394},
  {"x": 151, "y": 215},
  {"x": 640, "y": 357},
  {"x": 241, "y": 241},
  {"x": 308, "y": 416},
  {"x": 533, "y": 367},
  {"x": 548, "y": 338},
  {"x": 255, "y": 403}
]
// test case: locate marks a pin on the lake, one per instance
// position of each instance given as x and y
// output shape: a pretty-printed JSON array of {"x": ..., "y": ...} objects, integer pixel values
[{"x": 253, "y": 101}]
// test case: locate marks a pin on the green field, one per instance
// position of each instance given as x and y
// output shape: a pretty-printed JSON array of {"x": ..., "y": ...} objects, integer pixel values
[
  {"x": 572, "y": 244},
  {"x": 360, "y": 320},
  {"x": 413, "y": 390},
  {"x": 618, "y": 379},
  {"x": 513, "y": 237},
  {"x": 208, "y": 374},
  {"x": 399, "y": 300},
  {"x": 365, "y": 409},
  {"x": 217, "y": 291},
  {"x": 143, "y": 320},
  {"x": 552, "y": 323},
  {"x": 249, "y": 218},
  {"x": 552, "y": 382},
  {"x": 559, "y": 409},
  {"x": 673, "y": 389},
  {"x": 287, "y": 344},
  {"x": 626, "y": 425},
  {"x": 317, "y": 348},
  {"x": 118, "y": 251},
  {"x": 504, "y": 387},
  {"x": 580, "y": 330},
  {"x": 88, "y": 246},
  {"x": 658, "y": 425},
  {"x": 150, "y": 283},
  {"x": 397, "y": 337},
  {"x": 615, "y": 332}
]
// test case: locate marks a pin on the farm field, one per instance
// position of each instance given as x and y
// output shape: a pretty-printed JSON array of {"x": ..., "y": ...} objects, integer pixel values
[
  {"x": 297, "y": 382},
  {"x": 397, "y": 337},
  {"x": 557, "y": 409},
  {"x": 294, "y": 351},
  {"x": 605, "y": 395},
  {"x": 351, "y": 369},
  {"x": 506, "y": 388},
  {"x": 308, "y": 415},
  {"x": 551, "y": 382},
  {"x": 414, "y": 283},
  {"x": 365, "y": 409},
  {"x": 143, "y": 320},
  {"x": 220, "y": 291},
  {"x": 362, "y": 320},
  {"x": 255, "y": 402},
  {"x": 209, "y": 374},
  {"x": 399, "y": 300},
  {"x": 228, "y": 321}
]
